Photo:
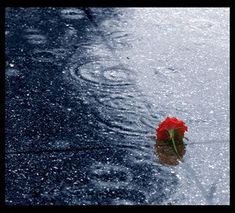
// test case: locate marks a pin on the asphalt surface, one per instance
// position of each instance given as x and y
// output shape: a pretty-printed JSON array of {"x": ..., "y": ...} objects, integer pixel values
[{"x": 85, "y": 90}]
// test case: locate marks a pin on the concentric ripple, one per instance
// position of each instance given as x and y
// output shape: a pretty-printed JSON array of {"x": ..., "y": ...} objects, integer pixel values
[
  {"x": 124, "y": 122},
  {"x": 49, "y": 55},
  {"x": 121, "y": 101},
  {"x": 43, "y": 56},
  {"x": 128, "y": 114},
  {"x": 32, "y": 30},
  {"x": 107, "y": 73},
  {"x": 72, "y": 13},
  {"x": 119, "y": 107},
  {"x": 36, "y": 38},
  {"x": 202, "y": 24},
  {"x": 120, "y": 39}
]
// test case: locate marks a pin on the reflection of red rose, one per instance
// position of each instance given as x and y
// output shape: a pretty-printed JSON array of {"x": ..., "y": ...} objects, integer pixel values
[
  {"x": 166, "y": 154},
  {"x": 171, "y": 123}
]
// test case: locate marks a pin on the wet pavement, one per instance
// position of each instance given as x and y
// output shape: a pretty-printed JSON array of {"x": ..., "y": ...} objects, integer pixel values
[{"x": 85, "y": 89}]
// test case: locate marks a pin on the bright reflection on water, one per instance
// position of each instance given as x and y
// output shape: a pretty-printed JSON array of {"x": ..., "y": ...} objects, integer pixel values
[{"x": 97, "y": 84}]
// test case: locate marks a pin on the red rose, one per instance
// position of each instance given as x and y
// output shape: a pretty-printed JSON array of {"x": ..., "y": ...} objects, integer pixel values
[{"x": 172, "y": 124}]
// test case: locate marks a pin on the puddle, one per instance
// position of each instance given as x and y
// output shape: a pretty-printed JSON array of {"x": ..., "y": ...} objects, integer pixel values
[{"x": 94, "y": 116}]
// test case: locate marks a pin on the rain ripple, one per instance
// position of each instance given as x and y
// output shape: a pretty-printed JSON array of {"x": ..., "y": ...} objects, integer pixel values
[
  {"x": 36, "y": 39},
  {"x": 106, "y": 175},
  {"x": 120, "y": 107},
  {"x": 106, "y": 73},
  {"x": 130, "y": 123},
  {"x": 72, "y": 13},
  {"x": 120, "y": 40},
  {"x": 120, "y": 101},
  {"x": 127, "y": 113},
  {"x": 49, "y": 55}
]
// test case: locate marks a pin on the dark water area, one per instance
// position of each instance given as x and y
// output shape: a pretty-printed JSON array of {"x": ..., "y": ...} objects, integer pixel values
[{"x": 85, "y": 89}]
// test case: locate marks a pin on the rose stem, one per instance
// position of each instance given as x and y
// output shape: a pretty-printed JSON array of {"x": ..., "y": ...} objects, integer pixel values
[{"x": 171, "y": 133}]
